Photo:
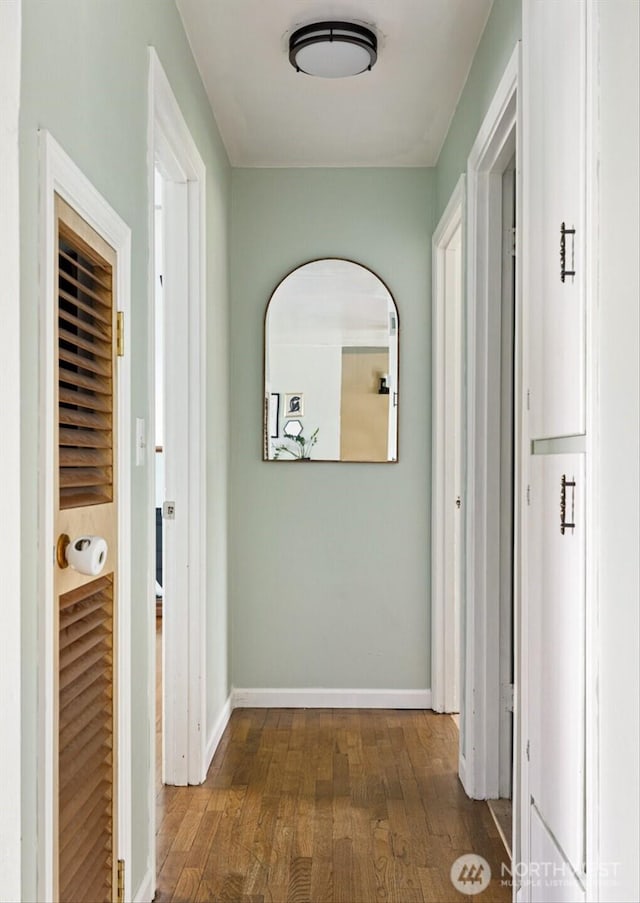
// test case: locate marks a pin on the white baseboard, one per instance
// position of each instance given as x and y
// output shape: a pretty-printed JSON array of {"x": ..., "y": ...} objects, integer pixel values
[
  {"x": 330, "y": 699},
  {"x": 216, "y": 733},
  {"x": 147, "y": 889}
]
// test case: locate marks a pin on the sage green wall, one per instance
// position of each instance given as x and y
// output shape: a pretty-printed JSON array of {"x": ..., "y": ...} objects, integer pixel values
[
  {"x": 84, "y": 78},
  {"x": 329, "y": 564},
  {"x": 499, "y": 38}
]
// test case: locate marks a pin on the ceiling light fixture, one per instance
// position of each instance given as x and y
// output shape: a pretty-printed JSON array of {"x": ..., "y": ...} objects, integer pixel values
[{"x": 333, "y": 49}]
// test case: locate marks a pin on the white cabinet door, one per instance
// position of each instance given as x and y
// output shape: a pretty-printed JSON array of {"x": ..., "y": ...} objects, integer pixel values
[
  {"x": 551, "y": 878},
  {"x": 554, "y": 95},
  {"x": 556, "y": 640}
]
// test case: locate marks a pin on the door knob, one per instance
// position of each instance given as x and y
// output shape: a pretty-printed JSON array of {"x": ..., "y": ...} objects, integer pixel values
[
  {"x": 458, "y": 502},
  {"x": 85, "y": 554}
]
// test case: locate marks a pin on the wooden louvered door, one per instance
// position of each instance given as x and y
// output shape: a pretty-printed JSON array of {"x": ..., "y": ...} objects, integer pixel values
[{"x": 85, "y": 504}]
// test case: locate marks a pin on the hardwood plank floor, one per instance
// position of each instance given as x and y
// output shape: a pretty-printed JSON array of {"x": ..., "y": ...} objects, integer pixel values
[{"x": 325, "y": 806}]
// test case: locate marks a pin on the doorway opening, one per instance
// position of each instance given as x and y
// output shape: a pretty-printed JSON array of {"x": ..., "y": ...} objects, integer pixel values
[
  {"x": 449, "y": 673},
  {"x": 447, "y": 455},
  {"x": 493, "y": 483},
  {"x": 176, "y": 453},
  {"x": 501, "y": 807},
  {"x": 158, "y": 443}
]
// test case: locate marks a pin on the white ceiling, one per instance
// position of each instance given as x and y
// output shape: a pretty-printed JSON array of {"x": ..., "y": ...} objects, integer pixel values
[{"x": 396, "y": 115}]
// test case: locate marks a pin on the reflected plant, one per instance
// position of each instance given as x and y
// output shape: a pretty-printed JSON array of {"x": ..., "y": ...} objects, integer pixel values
[{"x": 301, "y": 448}]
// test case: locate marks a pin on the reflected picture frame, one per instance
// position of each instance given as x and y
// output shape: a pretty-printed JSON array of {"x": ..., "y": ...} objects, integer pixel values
[
  {"x": 273, "y": 415},
  {"x": 293, "y": 404}
]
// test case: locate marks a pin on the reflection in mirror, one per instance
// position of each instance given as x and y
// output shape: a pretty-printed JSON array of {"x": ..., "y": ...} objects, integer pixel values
[{"x": 331, "y": 366}]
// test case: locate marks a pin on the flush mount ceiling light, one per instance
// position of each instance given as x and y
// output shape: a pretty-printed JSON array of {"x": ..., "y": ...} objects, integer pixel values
[{"x": 333, "y": 49}]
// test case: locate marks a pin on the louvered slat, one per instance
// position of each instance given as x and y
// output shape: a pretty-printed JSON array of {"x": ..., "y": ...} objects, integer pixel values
[
  {"x": 94, "y": 815},
  {"x": 82, "y": 683},
  {"x": 75, "y": 396},
  {"x": 88, "y": 381},
  {"x": 82, "y": 610},
  {"x": 84, "y": 438},
  {"x": 93, "y": 273},
  {"x": 101, "y": 348},
  {"x": 82, "y": 620},
  {"x": 95, "y": 731},
  {"x": 98, "y": 762},
  {"x": 100, "y": 367},
  {"x": 73, "y": 860},
  {"x": 83, "y": 457},
  {"x": 83, "y": 647},
  {"x": 95, "y": 786},
  {"x": 78, "y": 687},
  {"x": 91, "y": 326},
  {"x": 88, "y": 716},
  {"x": 85, "y": 354},
  {"x": 75, "y": 707},
  {"x": 91, "y": 419},
  {"x": 87, "y": 884},
  {"x": 97, "y": 315},
  {"x": 85, "y": 476},
  {"x": 100, "y": 297},
  {"x": 72, "y": 673},
  {"x": 83, "y": 498},
  {"x": 84, "y": 593},
  {"x": 85, "y": 740},
  {"x": 95, "y": 752}
]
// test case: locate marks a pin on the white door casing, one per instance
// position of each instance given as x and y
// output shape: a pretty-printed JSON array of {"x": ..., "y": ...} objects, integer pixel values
[
  {"x": 447, "y": 252},
  {"x": 507, "y": 440},
  {"x": 174, "y": 153},
  {"x": 494, "y": 147},
  {"x": 59, "y": 175}
]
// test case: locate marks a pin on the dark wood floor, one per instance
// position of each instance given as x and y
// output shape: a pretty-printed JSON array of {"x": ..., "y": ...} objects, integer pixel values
[{"x": 325, "y": 805}]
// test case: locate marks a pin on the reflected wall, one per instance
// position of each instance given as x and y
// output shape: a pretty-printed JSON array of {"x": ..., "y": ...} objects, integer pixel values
[{"x": 331, "y": 366}]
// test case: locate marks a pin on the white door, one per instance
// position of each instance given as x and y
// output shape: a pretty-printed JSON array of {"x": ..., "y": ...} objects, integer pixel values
[
  {"x": 447, "y": 503},
  {"x": 556, "y": 639},
  {"x": 554, "y": 167},
  {"x": 554, "y": 171},
  {"x": 551, "y": 878},
  {"x": 453, "y": 468}
]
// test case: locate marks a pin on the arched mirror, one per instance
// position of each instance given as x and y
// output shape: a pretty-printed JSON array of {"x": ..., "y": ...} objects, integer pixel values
[{"x": 331, "y": 366}]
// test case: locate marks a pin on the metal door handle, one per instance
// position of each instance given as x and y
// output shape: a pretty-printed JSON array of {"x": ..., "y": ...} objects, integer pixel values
[
  {"x": 564, "y": 524},
  {"x": 564, "y": 272}
]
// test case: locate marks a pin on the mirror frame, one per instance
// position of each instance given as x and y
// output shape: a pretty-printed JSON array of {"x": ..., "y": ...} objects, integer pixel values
[{"x": 265, "y": 395}]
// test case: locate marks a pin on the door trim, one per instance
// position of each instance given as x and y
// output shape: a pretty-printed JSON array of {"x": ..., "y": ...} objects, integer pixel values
[
  {"x": 507, "y": 446},
  {"x": 593, "y": 461},
  {"x": 10, "y": 542},
  {"x": 443, "y": 635},
  {"x": 59, "y": 174},
  {"x": 170, "y": 141},
  {"x": 489, "y": 155}
]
